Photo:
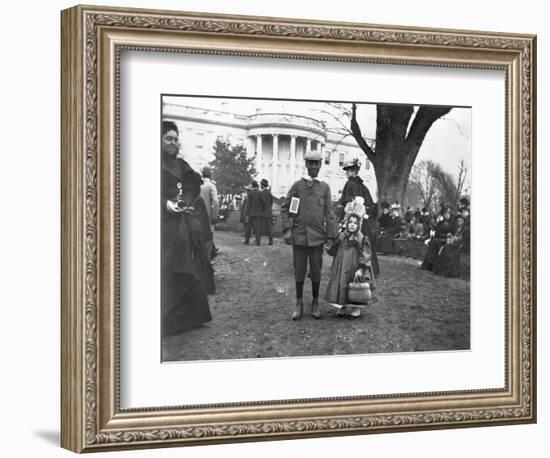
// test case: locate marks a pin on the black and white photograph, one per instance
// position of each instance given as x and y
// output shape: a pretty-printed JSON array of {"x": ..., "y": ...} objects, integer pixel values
[
  {"x": 312, "y": 282},
  {"x": 293, "y": 228}
]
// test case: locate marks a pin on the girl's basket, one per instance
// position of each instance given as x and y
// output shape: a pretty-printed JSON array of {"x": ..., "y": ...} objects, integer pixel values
[{"x": 359, "y": 290}]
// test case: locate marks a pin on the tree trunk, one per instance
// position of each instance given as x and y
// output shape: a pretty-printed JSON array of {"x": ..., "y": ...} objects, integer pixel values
[
  {"x": 392, "y": 187},
  {"x": 392, "y": 175},
  {"x": 397, "y": 145}
]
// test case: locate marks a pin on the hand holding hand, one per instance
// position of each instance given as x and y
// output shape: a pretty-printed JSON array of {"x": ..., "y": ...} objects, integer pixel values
[{"x": 288, "y": 236}]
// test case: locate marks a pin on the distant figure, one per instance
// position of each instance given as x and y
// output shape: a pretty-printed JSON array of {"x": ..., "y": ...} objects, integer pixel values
[
  {"x": 447, "y": 263},
  {"x": 418, "y": 229},
  {"x": 465, "y": 213},
  {"x": 255, "y": 214},
  {"x": 425, "y": 219},
  {"x": 308, "y": 223},
  {"x": 268, "y": 211},
  {"x": 209, "y": 194},
  {"x": 440, "y": 238},
  {"x": 390, "y": 225},
  {"x": 244, "y": 209},
  {"x": 408, "y": 215},
  {"x": 463, "y": 203}
]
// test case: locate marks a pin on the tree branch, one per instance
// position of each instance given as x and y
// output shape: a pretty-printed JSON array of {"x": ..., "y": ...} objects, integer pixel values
[
  {"x": 358, "y": 135},
  {"x": 425, "y": 117}
]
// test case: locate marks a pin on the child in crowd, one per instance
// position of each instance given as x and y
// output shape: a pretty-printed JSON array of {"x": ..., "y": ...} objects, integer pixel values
[{"x": 352, "y": 256}]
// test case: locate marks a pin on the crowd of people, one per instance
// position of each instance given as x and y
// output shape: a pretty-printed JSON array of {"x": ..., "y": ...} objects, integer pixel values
[
  {"x": 449, "y": 237},
  {"x": 351, "y": 231}
]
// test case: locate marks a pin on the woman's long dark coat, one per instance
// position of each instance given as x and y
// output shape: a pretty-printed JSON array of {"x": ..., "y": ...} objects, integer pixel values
[
  {"x": 187, "y": 275},
  {"x": 442, "y": 229},
  {"x": 447, "y": 263},
  {"x": 389, "y": 226},
  {"x": 355, "y": 187}
]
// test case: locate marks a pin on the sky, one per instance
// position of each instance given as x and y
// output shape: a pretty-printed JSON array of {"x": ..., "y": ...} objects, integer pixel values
[{"x": 447, "y": 142}]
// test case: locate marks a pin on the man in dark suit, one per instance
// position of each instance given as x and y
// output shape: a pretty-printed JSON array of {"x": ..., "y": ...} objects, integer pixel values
[
  {"x": 255, "y": 213},
  {"x": 268, "y": 212}
]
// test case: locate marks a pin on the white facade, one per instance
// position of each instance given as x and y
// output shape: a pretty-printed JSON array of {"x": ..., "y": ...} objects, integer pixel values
[{"x": 278, "y": 142}]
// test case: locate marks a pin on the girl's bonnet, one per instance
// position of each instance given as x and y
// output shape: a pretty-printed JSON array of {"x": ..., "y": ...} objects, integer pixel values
[{"x": 355, "y": 207}]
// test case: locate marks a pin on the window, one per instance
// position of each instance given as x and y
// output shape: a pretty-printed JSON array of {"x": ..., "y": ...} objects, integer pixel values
[
  {"x": 342, "y": 159},
  {"x": 327, "y": 157}
]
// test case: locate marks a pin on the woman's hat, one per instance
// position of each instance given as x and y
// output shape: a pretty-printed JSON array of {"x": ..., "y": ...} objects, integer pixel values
[
  {"x": 352, "y": 164},
  {"x": 264, "y": 182}
]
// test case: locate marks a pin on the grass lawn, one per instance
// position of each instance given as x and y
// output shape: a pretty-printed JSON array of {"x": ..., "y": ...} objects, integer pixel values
[{"x": 254, "y": 300}]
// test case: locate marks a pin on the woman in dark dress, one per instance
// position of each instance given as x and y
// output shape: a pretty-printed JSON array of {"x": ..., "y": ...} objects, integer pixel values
[
  {"x": 444, "y": 227},
  {"x": 355, "y": 187},
  {"x": 465, "y": 213},
  {"x": 426, "y": 220},
  {"x": 187, "y": 275},
  {"x": 447, "y": 263},
  {"x": 389, "y": 225}
]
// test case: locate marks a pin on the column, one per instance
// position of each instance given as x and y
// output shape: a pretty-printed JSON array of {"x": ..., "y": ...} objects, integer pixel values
[
  {"x": 321, "y": 149},
  {"x": 275, "y": 184},
  {"x": 334, "y": 163},
  {"x": 293, "y": 158},
  {"x": 259, "y": 154},
  {"x": 308, "y": 145}
]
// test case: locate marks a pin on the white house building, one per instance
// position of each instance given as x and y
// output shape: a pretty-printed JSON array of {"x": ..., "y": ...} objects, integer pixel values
[{"x": 278, "y": 141}]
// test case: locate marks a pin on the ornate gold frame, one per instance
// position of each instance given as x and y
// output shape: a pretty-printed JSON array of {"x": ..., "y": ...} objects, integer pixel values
[{"x": 92, "y": 38}]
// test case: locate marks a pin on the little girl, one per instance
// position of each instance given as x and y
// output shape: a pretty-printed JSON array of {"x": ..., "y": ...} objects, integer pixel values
[{"x": 352, "y": 254}]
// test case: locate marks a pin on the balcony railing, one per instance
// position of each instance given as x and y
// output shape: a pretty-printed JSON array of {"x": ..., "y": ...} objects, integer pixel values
[{"x": 286, "y": 119}]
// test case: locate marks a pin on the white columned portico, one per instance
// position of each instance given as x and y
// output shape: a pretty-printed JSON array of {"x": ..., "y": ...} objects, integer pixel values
[
  {"x": 259, "y": 154},
  {"x": 275, "y": 178},
  {"x": 293, "y": 158}
]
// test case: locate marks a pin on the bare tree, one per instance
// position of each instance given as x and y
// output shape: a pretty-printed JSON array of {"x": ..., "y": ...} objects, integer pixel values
[
  {"x": 341, "y": 116},
  {"x": 449, "y": 188},
  {"x": 423, "y": 179},
  {"x": 462, "y": 171},
  {"x": 400, "y": 131}
]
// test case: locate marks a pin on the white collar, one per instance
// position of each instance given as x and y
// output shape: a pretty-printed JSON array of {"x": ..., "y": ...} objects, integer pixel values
[{"x": 311, "y": 180}]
